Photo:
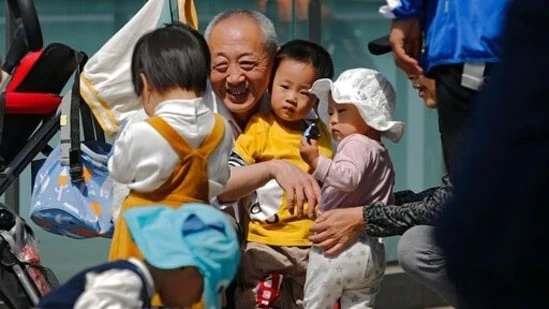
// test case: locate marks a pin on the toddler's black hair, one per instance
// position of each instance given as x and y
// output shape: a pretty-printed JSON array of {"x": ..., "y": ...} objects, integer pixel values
[
  {"x": 173, "y": 56},
  {"x": 308, "y": 52}
]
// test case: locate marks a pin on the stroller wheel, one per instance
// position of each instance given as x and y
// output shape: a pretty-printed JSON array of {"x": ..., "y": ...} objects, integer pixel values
[
  {"x": 53, "y": 282},
  {"x": 7, "y": 259},
  {"x": 12, "y": 293}
]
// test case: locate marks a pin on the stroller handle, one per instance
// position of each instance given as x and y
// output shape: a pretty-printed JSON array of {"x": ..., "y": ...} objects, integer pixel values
[{"x": 26, "y": 11}]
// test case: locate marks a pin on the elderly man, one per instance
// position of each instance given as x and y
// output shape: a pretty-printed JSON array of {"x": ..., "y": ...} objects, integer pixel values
[{"x": 243, "y": 45}]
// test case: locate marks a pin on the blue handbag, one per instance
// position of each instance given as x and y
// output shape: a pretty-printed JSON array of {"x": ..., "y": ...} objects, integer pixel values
[{"x": 72, "y": 192}]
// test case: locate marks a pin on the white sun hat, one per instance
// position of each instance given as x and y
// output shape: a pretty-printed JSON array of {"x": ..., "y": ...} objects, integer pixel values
[{"x": 369, "y": 91}]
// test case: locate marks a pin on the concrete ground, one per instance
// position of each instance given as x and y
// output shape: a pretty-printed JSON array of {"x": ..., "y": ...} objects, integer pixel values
[{"x": 399, "y": 291}]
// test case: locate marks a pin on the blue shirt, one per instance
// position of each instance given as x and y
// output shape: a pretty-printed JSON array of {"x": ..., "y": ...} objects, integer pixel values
[{"x": 457, "y": 31}]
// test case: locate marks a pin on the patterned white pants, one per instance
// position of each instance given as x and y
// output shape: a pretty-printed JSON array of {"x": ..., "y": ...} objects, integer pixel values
[{"x": 353, "y": 277}]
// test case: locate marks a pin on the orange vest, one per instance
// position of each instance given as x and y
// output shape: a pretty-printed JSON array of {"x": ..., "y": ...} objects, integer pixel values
[{"x": 188, "y": 183}]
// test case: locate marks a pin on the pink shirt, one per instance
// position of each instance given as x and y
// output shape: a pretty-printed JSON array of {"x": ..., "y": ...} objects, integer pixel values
[{"x": 360, "y": 173}]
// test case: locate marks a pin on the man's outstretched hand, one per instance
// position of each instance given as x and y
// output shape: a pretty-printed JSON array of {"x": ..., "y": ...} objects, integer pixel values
[{"x": 301, "y": 188}]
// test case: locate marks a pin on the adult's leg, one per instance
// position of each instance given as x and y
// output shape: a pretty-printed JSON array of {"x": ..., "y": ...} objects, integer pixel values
[
  {"x": 454, "y": 105},
  {"x": 422, "y": 259}
]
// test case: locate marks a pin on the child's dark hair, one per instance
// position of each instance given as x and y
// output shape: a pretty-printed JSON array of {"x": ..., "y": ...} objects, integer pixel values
[
  {"x": 308, "y": 52},
  {"x": 173, "y": 56}
]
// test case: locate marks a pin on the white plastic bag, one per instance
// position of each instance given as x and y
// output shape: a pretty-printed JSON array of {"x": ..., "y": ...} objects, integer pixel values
[{"x": 106, "y": 83}]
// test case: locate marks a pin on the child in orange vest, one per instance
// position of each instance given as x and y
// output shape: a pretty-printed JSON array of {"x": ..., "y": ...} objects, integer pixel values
[{"x": 180, "y": 153}]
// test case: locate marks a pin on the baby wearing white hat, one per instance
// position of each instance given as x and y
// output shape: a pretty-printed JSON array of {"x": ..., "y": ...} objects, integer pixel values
[{"x": 358, "y": 107}]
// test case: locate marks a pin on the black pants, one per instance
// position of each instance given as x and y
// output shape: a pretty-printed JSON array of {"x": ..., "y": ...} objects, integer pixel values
[{"x": 454, "y": 104}]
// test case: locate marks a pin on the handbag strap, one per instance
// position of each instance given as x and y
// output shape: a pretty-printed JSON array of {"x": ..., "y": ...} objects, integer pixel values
[
  {"x": 92, "y": 128},
  {"x": 70, "y": 125},
  {"x": 64, "y": 132}
]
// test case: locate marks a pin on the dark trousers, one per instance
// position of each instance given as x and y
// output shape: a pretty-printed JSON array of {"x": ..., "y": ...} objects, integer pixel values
[
  {"x": 494, "y": 230},
  {"x": 454, "y": 105}
]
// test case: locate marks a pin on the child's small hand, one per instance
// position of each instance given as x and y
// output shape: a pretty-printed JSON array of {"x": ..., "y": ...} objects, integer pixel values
[
  {"x": 312, "y": 212},
  {"x": 309, "y": 152}
]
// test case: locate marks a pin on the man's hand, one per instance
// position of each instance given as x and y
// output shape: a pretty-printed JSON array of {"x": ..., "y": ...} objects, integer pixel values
[
  {"x": 309, "y": 152},
  {"x": 300, "y": 187},
  {"x": 406, "y": 43},
  {"x": 334, "y": 230}
]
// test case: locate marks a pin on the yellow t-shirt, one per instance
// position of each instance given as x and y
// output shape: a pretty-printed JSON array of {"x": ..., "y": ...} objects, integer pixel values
[{"x": 265, "y": 139}]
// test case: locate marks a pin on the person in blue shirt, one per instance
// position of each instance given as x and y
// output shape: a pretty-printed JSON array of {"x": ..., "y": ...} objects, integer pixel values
[
  {"x": 191, "y": 253},
  {"x": 494, "y": 231},
  {"x": 454, "y": 42}
]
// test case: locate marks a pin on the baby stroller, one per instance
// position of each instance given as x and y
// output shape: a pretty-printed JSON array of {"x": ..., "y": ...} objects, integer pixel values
[
  {"x": 32, "y": 80},
  {"x": 23, "y": 279}
]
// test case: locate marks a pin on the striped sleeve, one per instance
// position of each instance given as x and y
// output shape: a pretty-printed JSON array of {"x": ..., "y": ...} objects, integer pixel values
[{"x": 236, "y": 160}]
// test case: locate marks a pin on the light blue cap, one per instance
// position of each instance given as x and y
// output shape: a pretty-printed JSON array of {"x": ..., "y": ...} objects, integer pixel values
[{"x": 196, "y": 235}]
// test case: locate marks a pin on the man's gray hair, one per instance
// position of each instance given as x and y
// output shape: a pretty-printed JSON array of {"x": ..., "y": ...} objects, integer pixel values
[{"x": 264, "y": 23}]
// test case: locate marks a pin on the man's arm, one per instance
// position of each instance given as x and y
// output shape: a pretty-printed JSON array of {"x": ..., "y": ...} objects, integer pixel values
[
  {"x": 247, "y": 171},
  {"x": 300, "y": 187},
  {"x": 389, "y": 220},
  {"x": 245, "y": 179}
]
